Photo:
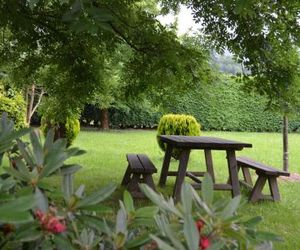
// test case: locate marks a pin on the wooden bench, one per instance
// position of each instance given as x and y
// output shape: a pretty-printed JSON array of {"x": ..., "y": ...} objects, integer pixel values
[
  {"x": 139, "y": 170},
  {"x": 264, "y": 173}
]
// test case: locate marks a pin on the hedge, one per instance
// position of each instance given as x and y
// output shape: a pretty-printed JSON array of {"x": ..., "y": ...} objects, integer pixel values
[
  {"x": 224, "y": 106},
  {"x": 217, "y": 106}
]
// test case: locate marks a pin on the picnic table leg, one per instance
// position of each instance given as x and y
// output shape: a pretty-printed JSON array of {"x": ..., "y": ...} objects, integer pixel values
[
  {"x": 165, "y": 166},
  {"x": 209, "y": 164},
  {"x": 233, "y": 172},
  {"x": 183, "y": 161}
]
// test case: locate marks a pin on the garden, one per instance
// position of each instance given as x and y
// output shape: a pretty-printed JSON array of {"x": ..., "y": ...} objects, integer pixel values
[{"x": 118, "y": 132}]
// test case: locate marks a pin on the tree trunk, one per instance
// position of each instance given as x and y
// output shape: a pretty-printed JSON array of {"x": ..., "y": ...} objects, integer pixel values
[
  {"x": 285, "y": 143},
  {"x": 104, "y": 119}
]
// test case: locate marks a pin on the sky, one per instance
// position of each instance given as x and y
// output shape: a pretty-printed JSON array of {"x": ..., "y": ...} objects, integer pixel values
[{"x": 185, "y": 21}]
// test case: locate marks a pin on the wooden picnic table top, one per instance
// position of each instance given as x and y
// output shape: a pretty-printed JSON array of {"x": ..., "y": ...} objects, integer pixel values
[{"x": 203, "y": 142}]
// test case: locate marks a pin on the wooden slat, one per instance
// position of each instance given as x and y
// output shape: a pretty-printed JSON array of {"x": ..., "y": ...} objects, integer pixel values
[
  {"x": 193, "y": 177},
  {"x": 219, "y": 186},
  {"x": 244, "y": 161},
  {"x": 135, "y": 164},
  {"x": 196, "y": 173},
  {"x": 203, "y": 142},
  {"x": 245, "y": 184},
  {"x": 147, "y": 164}
]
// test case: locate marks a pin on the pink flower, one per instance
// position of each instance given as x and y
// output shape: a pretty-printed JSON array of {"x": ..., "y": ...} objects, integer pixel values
[
  {"x": 204, "y": 243},
  {"x": 49, "y": 222},
  {"x": 55, "y": 226},
  {"x": 199, "y": 225}
]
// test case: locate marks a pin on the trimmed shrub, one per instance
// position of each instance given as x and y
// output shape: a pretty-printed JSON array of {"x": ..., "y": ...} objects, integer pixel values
[
  {"x": 15, "y": 107},
  {"x": 174, "y": 124},
  {"x": 68, "y": 129}
]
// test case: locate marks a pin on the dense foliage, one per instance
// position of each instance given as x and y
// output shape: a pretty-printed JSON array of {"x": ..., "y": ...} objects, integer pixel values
[
  {"x": 222, "y": 105},
  {"x": 31, "y": 219},
  {"x": 71, "y": 49},
  {"x": 68, "y": 129},
  {"x": 13, "y": 103},
  {"x": 176, "y": 124}
]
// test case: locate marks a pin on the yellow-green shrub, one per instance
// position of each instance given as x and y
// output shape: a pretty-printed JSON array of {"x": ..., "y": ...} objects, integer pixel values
[
  {"x": 174, "y": 124},
  {"x": 68, "y": 129},
  {"x": 15, "y": 107}
]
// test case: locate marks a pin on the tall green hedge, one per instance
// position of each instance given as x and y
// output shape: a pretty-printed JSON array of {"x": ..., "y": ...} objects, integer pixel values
[
  {"x": 224, "y": 106},
  {"x": 218, "y": 106}
]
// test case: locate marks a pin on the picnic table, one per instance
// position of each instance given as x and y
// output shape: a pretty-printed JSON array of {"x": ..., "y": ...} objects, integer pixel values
[{"x": 186, "y": 144}]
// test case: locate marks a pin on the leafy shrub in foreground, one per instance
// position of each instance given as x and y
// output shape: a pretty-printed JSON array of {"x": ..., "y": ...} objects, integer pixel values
[{"x": 173, "y": 124}]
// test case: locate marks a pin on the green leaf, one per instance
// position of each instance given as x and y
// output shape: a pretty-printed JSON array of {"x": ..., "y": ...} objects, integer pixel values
[
  {"x": 201, "y": 203},
  {"x": 41, "y": 200},
  {"x": 159, "y": 200},
  {"x": 128, "y": 201},
  {"x": 28, "y": 233},
  {"x": 231, "y": 207},
  {"x": 48, "y": 141},
  {"x": 121, "y": 221},
  {"x": 252, "y": 222},
  {"x": 162, "y": 244},
  {"x": 217, "y": 245},
  {"x": 147, "y": 212},
  {"x": 97, "y": 196},
  {"x": 98, "y": 208},
  {"x": 75, "y": 152},
  {"x": 138, "y": 241},
  {"x": 22, "y": 203},
  {"x": 70, "y": 169},
  {"x": 186, "y": 198},
  {"x": 23, "y": 170},
  {"x": 190, "y": 232},
  {"x": 53, "y": 161},
  {"x": 95, "y": 223},
  {"x": 266, "y": 236},
  {"x": 16, "y": 174},
  {"x": 14, "y": 217},
  {"x": 207, "y": 189},
  {"x": 38, "y": 153},
  {"x": 62, "y": 242}
]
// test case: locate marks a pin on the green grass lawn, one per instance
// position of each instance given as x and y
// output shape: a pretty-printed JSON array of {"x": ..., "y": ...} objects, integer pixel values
[{"x": 105, "y": 162}]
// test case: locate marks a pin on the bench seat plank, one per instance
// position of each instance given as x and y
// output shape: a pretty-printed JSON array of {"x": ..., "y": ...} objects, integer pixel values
[
  {"x": 147, "y": 164},
  {"x": 247, "y": 162},
  {"x": 139, "y": 170}
]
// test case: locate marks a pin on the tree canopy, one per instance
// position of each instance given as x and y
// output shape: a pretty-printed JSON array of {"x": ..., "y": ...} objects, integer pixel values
[
  {"x": 263, "y": 35},
  {"x": 63, "y": 44}
]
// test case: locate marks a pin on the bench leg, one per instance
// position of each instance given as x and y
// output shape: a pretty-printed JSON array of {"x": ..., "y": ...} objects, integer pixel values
[
  {"x": 233, "y": 173},
  {"x": 133, "y": 185},
  {"x": 274, "y": 188},
  {"x": 256, "y": 193},
  {"x": 165, "y": 167},
  {"x": 247, "y": 176},
  {"x": 209, "y": 164},
  {"x": 184, "y": 158},
  {"x": 149, "y": 180},
  {"x": 126, "y": 178}
]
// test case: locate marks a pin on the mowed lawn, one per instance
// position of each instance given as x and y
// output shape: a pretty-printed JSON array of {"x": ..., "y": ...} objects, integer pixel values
[{"x": 105, "y": 162}]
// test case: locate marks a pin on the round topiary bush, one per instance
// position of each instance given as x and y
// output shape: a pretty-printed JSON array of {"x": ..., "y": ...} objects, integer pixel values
[
  {"x": 68, "y": 129},
  {"x": 15, "y": 107},
  {"x": 174, "y": 124}
]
